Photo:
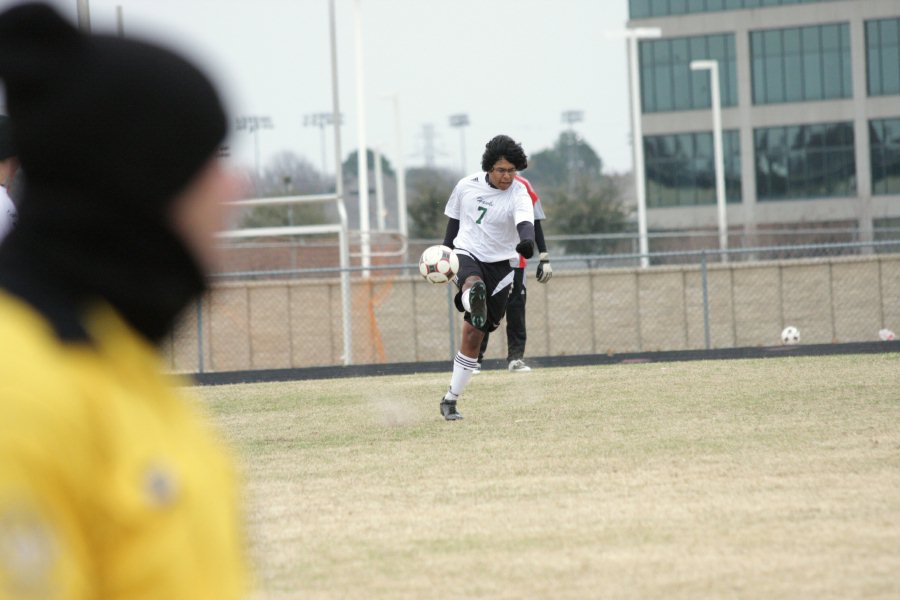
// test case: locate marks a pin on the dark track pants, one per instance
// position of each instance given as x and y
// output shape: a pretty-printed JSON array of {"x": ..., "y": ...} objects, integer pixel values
[{"x": 515, "y": 320}]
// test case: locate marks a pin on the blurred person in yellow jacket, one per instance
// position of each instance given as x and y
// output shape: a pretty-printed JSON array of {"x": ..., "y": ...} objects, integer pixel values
[{"x": 112, "y": 484}]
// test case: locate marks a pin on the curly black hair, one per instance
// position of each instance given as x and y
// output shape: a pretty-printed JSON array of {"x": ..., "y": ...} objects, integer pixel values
[{"x": 503, "y": 146}]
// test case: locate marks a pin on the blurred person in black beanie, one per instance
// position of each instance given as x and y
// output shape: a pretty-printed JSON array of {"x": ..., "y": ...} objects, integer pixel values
[
  {"x": 109, "y": 132},
  {"x": 108, "y": 477}
]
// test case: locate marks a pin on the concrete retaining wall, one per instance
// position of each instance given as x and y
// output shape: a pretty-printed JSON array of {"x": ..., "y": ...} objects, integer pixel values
[{"x": 297, "y": 323}]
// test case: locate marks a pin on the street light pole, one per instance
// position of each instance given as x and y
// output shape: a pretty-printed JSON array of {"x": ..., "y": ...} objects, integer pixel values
[
  {"x": 632, "y": 36},
  {"x": 322, "y": 120},
  {"x": 339, "y": 192},
  {"x": 401, "y": 171},
  {"x": 460, "y": 121},
  {"x": 253, "y": 123},
  {"x": 570, "y": 117},
  {"x": 718, "y": 156},
  {"x": 379, "y": 189},
  {"x": 362, "y": 154},
  {"x": 400, "y": 168}
]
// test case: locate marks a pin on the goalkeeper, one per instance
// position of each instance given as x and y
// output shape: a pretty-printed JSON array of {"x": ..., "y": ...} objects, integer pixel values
[
  {"x": 515, "y": 307},
  {"x": 491, "y": 223}
]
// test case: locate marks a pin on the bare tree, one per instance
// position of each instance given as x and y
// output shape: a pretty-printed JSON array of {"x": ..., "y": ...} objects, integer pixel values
[
  {"x": 429, "y": 189},
  {"x": 287, "y": 175}
]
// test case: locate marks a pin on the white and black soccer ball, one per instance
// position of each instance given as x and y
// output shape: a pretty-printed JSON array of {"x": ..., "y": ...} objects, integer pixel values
[
  {"x": 438, "y": 264},
  {"x": 790, "y": 336}
]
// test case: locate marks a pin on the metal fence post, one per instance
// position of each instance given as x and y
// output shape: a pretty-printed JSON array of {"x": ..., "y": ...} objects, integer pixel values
[
  {"x": 451, "y": 321},
  {"x": 704, "y": 280}
]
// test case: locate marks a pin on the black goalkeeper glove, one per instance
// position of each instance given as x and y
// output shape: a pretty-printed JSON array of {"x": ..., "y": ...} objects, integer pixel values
[
  {"x": 526, "y": 248},
  {"x": 544, "y": 270}
]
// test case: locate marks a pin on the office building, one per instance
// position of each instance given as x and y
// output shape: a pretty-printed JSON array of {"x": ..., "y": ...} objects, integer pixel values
[{"x": 810, "y": 96}]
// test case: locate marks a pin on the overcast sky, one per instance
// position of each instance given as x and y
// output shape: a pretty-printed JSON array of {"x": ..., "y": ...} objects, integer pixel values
[{"x": 514, "y": 66}]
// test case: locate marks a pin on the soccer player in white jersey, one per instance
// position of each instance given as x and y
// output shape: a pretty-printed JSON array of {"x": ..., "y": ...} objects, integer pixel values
[
  {"x": 516, "y": 334},
  {"x": 491, "y": 222}
]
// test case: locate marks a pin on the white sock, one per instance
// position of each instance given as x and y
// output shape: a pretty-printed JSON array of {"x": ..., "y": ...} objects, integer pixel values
[
  {"x": 462, "y": 373},
  {"x": 467, "y": 304}
]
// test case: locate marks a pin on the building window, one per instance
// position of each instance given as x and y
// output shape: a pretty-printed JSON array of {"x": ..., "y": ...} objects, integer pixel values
[
  {"x": 883, "y": 56},
  {"x": 642, "y": 9},
  {"x": 805, "y": 161},
  {"x": 884, "y": 149},
  {"x": 801, "y": 63},
  {"x": 667, "y": 82},
  {"x": 680, "y": 169}
]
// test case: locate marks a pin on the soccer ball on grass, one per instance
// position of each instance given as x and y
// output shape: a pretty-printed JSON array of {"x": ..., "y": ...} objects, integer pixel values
[
  {"x": 438, "y": 264},
  {"x": 790, "y": 336}
]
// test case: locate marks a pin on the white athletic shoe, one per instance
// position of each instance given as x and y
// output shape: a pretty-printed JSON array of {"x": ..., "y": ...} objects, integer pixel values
[
  {"x": 477, "y": 369},
  {"x": 518, "y": 366}
]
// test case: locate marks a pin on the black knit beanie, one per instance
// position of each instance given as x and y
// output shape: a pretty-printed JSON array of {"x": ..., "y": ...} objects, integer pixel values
[
  {"x": 109, "y": 116},
  {"x": 109, "y": 132}
]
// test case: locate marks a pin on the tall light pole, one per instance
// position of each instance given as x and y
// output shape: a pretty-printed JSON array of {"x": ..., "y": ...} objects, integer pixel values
[
  {"x": 379, "y": 189},
  {"x": 401, "y": 169},
  {"x": 570, "y": 117},
  {"x": 362, "y": 154},
  {"x": 428, "y": 136},
  {"x": 631, "y": 37},
  {"x": 460, "y": 121},
  {"x": 713, "y": 67},
  {"x": 322, "y": 120},
  {"x": 339, "y": 191},
  {"x": 253, "y": 123}
]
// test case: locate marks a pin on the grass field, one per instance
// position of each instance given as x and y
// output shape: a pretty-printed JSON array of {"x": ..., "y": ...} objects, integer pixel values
[{"x": 772, "y": 478}]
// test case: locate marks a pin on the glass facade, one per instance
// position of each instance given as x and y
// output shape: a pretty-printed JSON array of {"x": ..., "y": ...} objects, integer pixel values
[
  {"x": 667, "y": 82},
  {"x": 805, "y": 161},
  {"x": 884, "y": 149},
  {"x": 801, "y": 63},
  {"x": 680, "y": 169},
  {"x": 883, "y": 56},
  {"x": 642, "y": 9}
]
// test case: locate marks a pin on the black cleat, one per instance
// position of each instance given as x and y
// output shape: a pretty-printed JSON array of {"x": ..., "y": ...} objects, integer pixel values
[
  {"x": 448, "y": 410},
  {"x": 478, "y": 302}
]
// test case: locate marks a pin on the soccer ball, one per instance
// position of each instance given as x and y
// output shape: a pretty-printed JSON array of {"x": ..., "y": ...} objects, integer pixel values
[
  {"x": 438, "y": 264},
  {"x": 886, "y": 335},
  {"x": 790, "y": 335}
]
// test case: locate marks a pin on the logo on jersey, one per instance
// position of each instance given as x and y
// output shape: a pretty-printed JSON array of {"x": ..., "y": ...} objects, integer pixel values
[
  {"x": 160, "y": 485},
  {"x": 481, "y": 200}
]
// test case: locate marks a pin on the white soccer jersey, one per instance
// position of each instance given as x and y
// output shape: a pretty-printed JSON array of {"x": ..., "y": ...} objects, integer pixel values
[
  {"x": 488, "y": 217},
  {"x": 539, "y": 211}
]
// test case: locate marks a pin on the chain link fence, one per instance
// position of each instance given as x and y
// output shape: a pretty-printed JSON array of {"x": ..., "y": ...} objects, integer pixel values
[{"x": 595, "y": 303}]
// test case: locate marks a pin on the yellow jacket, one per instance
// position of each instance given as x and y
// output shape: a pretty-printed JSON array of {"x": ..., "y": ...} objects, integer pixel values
[{"x": 111, "y": 484}]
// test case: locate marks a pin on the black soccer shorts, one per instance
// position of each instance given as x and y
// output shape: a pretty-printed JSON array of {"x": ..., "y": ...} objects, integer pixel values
[{"x": 498, "y": 279}]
